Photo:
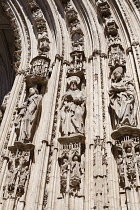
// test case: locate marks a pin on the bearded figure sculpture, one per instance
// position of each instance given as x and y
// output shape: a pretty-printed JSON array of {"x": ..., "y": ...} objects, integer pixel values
[
  {"x": 122, "y": 100},
  {"x": 27, "y": 114},
  {"x": 73, "y": 109}
]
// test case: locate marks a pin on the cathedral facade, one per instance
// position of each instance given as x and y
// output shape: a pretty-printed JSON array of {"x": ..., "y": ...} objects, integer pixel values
[{"x": 70, "y": 104}]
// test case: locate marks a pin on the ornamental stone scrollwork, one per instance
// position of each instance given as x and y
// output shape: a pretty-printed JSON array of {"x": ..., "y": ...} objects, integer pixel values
[
  {"x": 123, "y": 113},
  {"x": 26, "y": 116},
  {"x": 22, "y": 150}
]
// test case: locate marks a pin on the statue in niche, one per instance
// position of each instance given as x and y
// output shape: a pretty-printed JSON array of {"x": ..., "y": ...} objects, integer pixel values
[
  {"x": 27, "y": 114},
  {"x": 73, "y": 109},
  {"x": 122, "y": 100}
]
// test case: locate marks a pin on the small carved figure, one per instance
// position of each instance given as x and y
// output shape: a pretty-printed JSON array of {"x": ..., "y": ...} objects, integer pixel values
[
  {"x": 121, "y": 170},
  {"x": 75, "y": 175},
  {"x": 23, "y": 176},
  {"x": 75, "y": 168},
  {"x": 5, "y": 101},
  {"x": 27, "y": 113},
  {"x": 73, "y": 109},
  {"x": 64, "y": 168},
  {"x": 11, "y": 175},
  {"x": 138, "y": 159},
  {"x": 64, "y": 172},
  {"x": 131, "y": 168},
  {"x": 122, "y": 100}
]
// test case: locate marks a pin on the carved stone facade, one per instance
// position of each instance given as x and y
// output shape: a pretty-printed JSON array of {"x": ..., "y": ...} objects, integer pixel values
[{"x": 69, "y": 105}]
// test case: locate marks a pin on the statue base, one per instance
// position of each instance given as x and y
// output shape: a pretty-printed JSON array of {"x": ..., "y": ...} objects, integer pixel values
[
  {"x": 21, "y": 146},
  {"x": 72, "y": 138},
  {"x": 125, "y": 131}
]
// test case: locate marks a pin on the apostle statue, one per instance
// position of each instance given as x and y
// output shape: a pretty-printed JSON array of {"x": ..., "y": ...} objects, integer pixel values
[
  {"x": 27, "y": 114},
  {"x": 73, "y": 109},
  {"x": 122, "y": 100}
]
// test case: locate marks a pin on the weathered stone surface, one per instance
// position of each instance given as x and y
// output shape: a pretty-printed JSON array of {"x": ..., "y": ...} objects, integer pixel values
[{"x": 69, "y": 105}]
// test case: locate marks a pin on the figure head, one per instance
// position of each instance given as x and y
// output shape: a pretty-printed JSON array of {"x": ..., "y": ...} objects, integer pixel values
[
  {"x": 65, "y": 160},
  {"x": 75, "y": 158},
  {"x": 117, "y": 74},
  {"x": 33, "y": 90},
  {"x": 73, "y": 82},
  {"x": 128, "y": 147}
]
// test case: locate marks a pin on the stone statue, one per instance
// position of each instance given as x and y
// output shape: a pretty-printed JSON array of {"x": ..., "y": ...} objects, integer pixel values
[
  {"x": 65, "y": 165},
  {"x": 73, "y": 109},
  {"x": 27, "y": 113},
  {"x": 75, "y": 167},
  {"x": 122, "y": 100},
  {"x": 75, "y": 179},
  {"x": 64, "y": 168}
]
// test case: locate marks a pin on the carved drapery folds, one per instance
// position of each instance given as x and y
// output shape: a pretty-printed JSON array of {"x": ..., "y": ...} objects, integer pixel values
[
  {"x": 72, "y": 109},
  {"x": 26, "y": 116},
  {"x": 72, "y": 131},
  {"x": 122, "y": 94}
]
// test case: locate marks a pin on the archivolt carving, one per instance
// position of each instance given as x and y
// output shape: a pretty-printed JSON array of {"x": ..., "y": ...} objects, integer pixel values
[
  {"x": 42, "y": 33},
  {"x": 17, "y": 34}
]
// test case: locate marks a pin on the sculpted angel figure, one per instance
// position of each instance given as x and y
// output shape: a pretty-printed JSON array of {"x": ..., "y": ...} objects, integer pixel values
[
  {"x": 122, "y": 100},
  {"x": 73, "y": 109},
  {"x": 27, "y": 113}
]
